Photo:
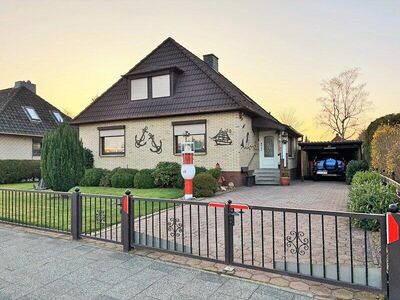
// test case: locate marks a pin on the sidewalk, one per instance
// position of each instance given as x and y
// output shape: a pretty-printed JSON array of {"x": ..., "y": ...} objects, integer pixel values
[{"x": 38, "y": 267}]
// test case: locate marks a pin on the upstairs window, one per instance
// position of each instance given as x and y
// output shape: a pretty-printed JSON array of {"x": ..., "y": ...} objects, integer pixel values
[
  {"x": 160, "y": 86},
  {"x": 197, "y": 134},
  {"x": 58, "y": 117},
  {"x": 112, "y": 141},
  {"x": 36, "y": 146},
  {"x": 31, "y": 113},
  {"x": 139, "y": 89}
]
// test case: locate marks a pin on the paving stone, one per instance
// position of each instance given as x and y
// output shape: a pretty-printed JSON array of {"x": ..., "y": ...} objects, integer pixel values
[
  {"x": 162, "y": 289},
  {"x": 238, "y": 288},
  {"x": 299, "y": 285},
  {"x": 279, "y": 281},
  {"x": 320, "y": 290},
  {"x": 342, "y": 294},
  {"x": 267, "y": 292}
]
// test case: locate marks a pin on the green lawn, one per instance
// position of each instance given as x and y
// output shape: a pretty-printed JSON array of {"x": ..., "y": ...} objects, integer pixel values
[{"x": 54, "y": 211}]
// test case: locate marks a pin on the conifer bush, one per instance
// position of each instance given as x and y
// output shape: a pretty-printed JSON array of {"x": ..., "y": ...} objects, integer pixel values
[{"x": 62, "y": 158}]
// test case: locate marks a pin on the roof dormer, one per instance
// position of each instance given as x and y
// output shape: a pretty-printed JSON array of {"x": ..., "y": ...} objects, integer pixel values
[{"x": 153, "y": 84}]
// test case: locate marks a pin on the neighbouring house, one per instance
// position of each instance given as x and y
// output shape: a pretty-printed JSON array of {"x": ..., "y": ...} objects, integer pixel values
[
  {"x": 145, "y": 116},
  {"x": 24, "y": 119}
]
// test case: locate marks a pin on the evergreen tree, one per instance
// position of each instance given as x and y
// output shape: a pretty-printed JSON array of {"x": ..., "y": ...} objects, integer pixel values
[{"x": 62, "y": 158}]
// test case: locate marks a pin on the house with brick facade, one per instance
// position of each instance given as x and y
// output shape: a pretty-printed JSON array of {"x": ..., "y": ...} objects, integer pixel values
[
  {"x": 171, "y": 96},
  {"x": 25, "y": 118}
]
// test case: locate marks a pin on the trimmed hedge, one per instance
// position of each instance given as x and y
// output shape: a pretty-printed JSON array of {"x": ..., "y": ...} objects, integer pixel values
[
  {"x": 123, "y": 178},
  {"x": 368, "y": 194},
  {"x": 215, "y": 172},
  {"x": 205, "y": 185},
  {"x": 168, "y": 174},
  {"x": 144, "y": 179},
  {"x": 14, "y": 171},
  {"x": 92, "y": 177},
  {"x": 353, "y": 167}
]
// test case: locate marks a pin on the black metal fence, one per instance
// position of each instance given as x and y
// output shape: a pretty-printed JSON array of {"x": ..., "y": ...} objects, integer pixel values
[
  {"x": 346, "y": 249},
  {"x": 39, "y": 209}
]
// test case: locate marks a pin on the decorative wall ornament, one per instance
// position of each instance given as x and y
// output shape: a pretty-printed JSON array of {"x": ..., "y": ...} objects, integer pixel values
[
  {"x": 222, "y": 138},
  {"x": 297, "y": 243},
  {"x": 155, "y": 148},
  {"x": 142, "y": 141},
  {"x": 175, "y": 227}
]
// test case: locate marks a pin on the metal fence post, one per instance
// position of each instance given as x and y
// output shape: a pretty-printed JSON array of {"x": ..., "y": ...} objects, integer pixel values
[
  {"x": 228, "y": 228},
  {"x": 126, "y": 221},
  {"x": 393, "y": 248},
  {"x": 76, "y": 214}
]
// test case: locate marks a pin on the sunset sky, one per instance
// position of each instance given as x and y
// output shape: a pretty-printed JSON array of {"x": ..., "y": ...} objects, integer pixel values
[{"x": 278, "y": 52}]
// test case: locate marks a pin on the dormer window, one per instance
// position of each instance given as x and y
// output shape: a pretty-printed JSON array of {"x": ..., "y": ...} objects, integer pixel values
[
  {"x": 31, "y": 113},
  {"x": 160, "y": 86},
  {"x": 58, "y": 117},
  {"x": 139, "y": 89}
]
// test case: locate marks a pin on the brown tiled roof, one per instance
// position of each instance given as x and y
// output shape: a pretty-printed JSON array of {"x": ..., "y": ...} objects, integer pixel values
[
  {"x": 200, "y": 89},
  {"x": 13, "y": 119}
]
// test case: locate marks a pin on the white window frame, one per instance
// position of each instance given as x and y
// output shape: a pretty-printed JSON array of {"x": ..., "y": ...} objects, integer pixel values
[
  {"x": 161, "y": 86},
  {"x": 141, "y": 86},
  {"x": 34, "y": 118}
]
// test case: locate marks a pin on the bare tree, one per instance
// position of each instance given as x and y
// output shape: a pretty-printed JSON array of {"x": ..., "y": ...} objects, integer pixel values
[
  {"x": 344, "y": 104},
  {"x": 289, "y": 117}
]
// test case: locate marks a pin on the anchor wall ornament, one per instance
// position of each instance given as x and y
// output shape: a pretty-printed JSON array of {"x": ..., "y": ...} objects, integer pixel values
[
  {"x": 142, "y": 141},
  {"x": 156, "y": 148}
]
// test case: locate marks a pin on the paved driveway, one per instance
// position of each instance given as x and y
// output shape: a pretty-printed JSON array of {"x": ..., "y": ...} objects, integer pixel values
[
  {"x": 323, "y": 195},
  {"x": 37, "y": 267}
]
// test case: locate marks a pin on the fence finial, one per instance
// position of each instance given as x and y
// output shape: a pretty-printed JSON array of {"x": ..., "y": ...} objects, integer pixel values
[
  {"x": 394, "y": 208},
  {"x": 77, "y": 189},
  {"x": 128, "y": 192}
]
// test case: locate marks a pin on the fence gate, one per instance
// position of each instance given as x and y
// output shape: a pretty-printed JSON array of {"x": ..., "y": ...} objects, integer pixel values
[{"x": 346, "y": 249}]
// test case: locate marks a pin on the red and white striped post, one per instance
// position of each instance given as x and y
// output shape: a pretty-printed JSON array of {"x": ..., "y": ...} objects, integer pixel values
[{"x": 188, "y": 170}]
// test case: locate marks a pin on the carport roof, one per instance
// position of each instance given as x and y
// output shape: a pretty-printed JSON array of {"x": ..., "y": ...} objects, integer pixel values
[{"x": 331, "y": 144}]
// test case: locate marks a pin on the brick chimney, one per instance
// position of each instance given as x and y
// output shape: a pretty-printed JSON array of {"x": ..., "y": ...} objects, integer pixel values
[
  {"x": 211, "y": 60},
  {"x": 28, "y": 84}
]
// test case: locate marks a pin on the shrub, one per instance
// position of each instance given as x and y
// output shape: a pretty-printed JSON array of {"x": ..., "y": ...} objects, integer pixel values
[
  {"x": 353, "y": 167},
  {"x": 390, "y": 119},
  {"x": 369, "y": 195},
  {"x": 106, "y": 179},
  {"x": 92, "y": 177},
  {"x": 89, "y": 158},
  {"x": 14, "y": 171},
  {"x": 364, "y": 177},
  {"x": 62, "y": 158},
  {"x": 144, "y": 179},
  {"x": 215, "y": 172},
  {"x": 204, "y": 185},
  {"x": 200, "y": 170},
  {"x": 123, "y": 178},
  {"x": 168, "y": 174}
]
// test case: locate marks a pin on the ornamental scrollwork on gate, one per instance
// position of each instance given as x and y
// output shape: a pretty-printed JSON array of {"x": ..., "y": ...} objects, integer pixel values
[
  {"x": 100, "y": 217},
  {"x": 297, "y": 243},
  {"x": 175, "y": 227}
]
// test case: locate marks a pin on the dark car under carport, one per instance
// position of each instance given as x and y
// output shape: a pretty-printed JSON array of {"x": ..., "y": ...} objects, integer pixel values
[{"x": 346, "y": 150}]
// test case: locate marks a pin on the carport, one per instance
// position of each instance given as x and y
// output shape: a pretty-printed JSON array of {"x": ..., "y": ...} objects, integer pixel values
[{"x": 349, "y": 150}]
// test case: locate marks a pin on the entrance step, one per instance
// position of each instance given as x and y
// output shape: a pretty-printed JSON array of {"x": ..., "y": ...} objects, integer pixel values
[{"x": 267, "y": 176}]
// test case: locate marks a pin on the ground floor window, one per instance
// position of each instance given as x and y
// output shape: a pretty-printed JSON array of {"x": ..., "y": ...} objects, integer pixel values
[
  {"x": 112, "y": 140},
  {"x": 36, "y": 146},
  {"x": 193, "y": 131}
]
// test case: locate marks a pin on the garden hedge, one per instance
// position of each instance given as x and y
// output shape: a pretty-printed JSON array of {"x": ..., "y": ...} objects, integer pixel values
[
  {"x": 14, "y": 171},
  {"x": 144, "y": 179},
  {"x": 92, "y": 177},
  {"x": 168, "y": 174},
  {"x": 204, "y": 185},
  {"x": 123, "y": 178},
  {"x": 353, "y": 167}
]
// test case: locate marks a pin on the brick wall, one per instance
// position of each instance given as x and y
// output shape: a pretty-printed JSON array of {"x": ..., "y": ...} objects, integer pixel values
[
  {"x": 230, "y": 157},
  {"x": 16, "y": 147}
]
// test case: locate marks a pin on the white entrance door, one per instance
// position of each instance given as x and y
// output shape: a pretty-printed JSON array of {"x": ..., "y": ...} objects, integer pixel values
[{"x": 268, "y": 149}]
